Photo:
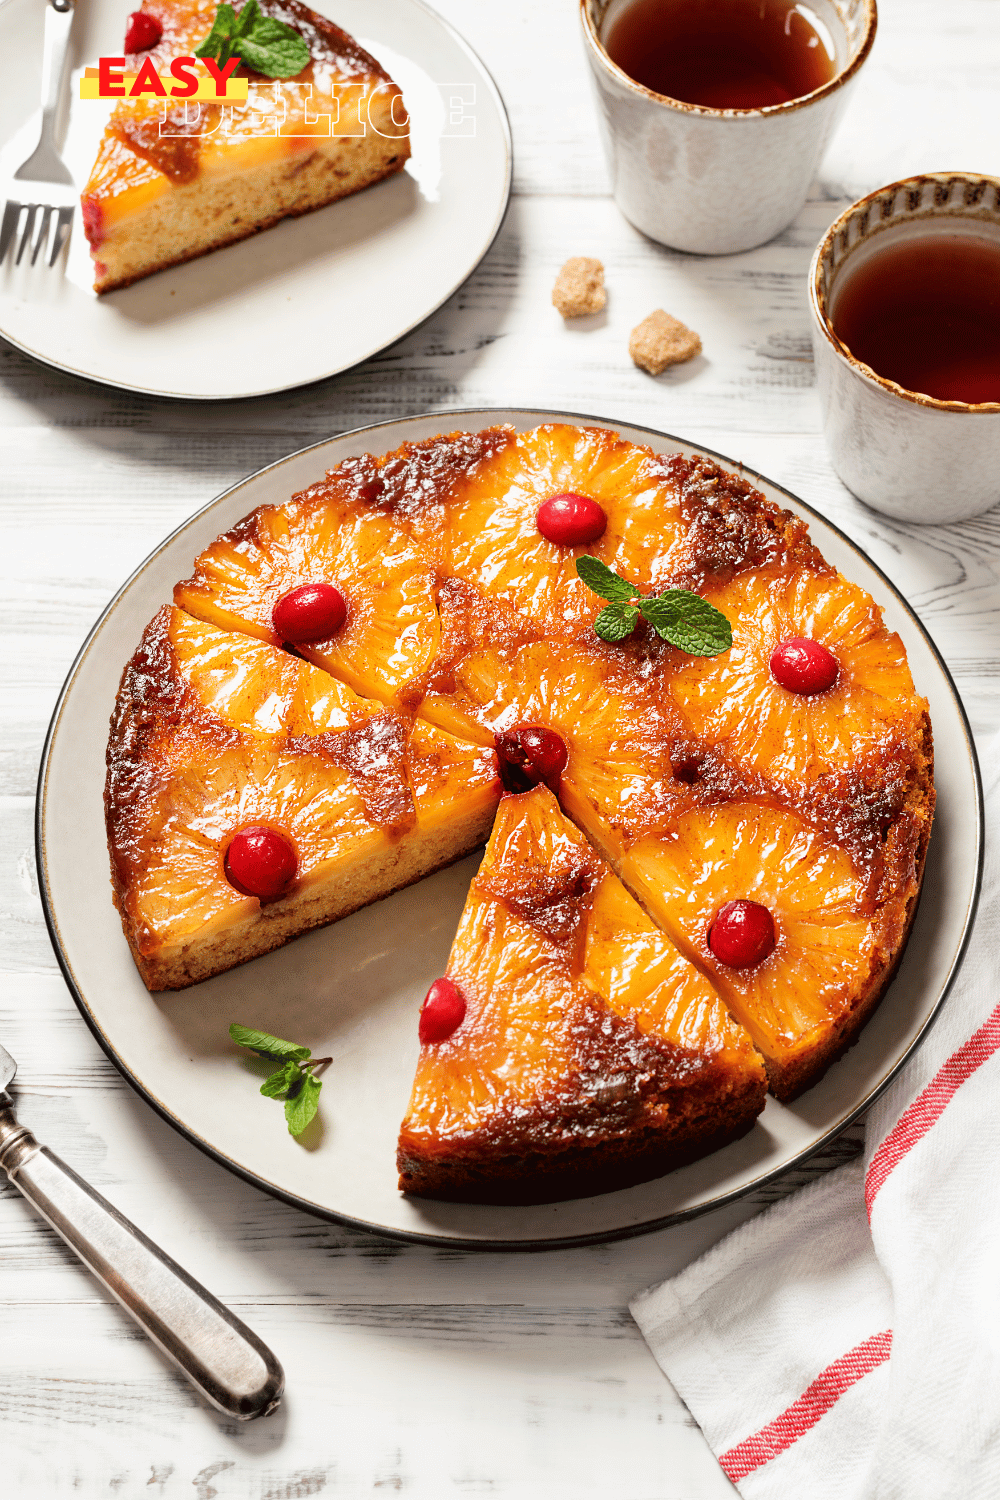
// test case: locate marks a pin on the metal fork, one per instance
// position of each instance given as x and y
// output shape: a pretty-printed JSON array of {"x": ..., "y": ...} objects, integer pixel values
[{"x": 49, "y": 189}]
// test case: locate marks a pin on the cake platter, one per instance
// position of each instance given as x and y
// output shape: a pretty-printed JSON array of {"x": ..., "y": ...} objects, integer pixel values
[
  {"x": 303, "y": 300},
  {"x": 352, "y": 991}
]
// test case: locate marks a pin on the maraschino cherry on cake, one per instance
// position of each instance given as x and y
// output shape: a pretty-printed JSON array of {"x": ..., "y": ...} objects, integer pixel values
[
  {"x": 569, "y": 1049},
  {"x": 767, "y": 800},
  {"x": 166, "y": 190}
]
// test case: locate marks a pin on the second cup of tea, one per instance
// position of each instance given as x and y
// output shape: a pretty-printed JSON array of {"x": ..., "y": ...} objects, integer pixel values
[
  {"x": 728, "y": 174},
  {"x": 904, "y": 291}
]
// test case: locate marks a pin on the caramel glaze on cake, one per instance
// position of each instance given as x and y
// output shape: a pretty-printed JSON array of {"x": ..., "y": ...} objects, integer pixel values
[{"x": 156, "y": 199}]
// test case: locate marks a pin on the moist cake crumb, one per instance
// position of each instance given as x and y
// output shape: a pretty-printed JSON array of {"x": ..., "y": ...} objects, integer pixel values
[
  {"x": 660, "y": 340},
  {"x": 579, "y": 287}
]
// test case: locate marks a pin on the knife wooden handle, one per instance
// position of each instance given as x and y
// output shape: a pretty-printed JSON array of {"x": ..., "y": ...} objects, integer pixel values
[{"x": 227, "y": 1361}]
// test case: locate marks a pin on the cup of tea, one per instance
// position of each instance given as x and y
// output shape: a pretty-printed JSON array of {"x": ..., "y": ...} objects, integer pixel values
[
  {"x": 715, "y": 113},
  {"x": 904, "y": 291}
]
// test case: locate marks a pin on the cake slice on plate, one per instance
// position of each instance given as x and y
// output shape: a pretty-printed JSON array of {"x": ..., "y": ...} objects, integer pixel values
[
  {"x": 251, "y": 797},
  {"x": 570, "y": 1049},
  {"x": 165, "y": 191}
]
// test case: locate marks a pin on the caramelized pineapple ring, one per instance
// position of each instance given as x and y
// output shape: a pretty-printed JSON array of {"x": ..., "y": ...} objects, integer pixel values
[
  {"x": 180, "y": 887},
  {"x": 258, "y": 690},
  {"x": 828, "y": 962},
  {"x": 492, "y": 541},
  {"x": 736, "y": 702},
  {"x": 639, "y": 973},
  {"x": 618, "y": 730},
  {"x": 391, "y": 631}
]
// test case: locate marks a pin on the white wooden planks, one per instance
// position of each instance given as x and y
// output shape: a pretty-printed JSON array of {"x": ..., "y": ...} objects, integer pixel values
[{"x": 430, "y": 1374}]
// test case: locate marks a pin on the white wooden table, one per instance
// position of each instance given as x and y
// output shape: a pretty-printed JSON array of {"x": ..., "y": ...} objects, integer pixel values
[{"x": 422, "y": 1372}]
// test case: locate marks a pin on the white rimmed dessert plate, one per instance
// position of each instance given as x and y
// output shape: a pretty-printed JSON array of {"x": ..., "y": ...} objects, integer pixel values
[
  {"x": 310, "y": 297},
  {"x": 353, "y": 990}
]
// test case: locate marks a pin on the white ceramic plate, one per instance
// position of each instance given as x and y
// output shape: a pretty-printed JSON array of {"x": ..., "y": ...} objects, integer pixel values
[
  {"x": 353, "y": 990},
  {"x": 305, "y": 299}
]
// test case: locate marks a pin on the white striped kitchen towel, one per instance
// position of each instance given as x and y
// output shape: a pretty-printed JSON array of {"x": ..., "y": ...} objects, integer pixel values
[{"x": 845, "y": 1345}]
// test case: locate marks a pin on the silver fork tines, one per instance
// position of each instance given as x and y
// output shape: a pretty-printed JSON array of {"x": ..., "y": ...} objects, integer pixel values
[
  {"x": 39, "y": 219},
  {"x": 42, "y": 191}
]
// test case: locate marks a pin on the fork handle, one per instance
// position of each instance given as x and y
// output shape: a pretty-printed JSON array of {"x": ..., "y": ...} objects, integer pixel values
[
  {"x": 216, "y": 1351},
  {"x": 55, "y": 58}
]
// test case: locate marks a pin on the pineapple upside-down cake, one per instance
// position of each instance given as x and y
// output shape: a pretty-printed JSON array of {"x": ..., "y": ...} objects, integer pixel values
[{"x": 704, "y": 866}]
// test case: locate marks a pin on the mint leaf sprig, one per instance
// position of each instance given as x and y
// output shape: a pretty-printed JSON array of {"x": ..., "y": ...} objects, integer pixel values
[
  {"x": 684, "y": 619},
  {"x": 293, "y": 1081},
  {"x": 265, "y": 45}
]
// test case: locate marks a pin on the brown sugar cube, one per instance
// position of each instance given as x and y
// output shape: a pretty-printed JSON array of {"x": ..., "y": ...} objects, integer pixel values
[
  {"x": 579, "y": 287},
  {"x": 660, "y": 340}
]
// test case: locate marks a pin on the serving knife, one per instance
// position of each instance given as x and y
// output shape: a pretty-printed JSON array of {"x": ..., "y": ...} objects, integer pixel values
[{"x": 220, "y": 1355}]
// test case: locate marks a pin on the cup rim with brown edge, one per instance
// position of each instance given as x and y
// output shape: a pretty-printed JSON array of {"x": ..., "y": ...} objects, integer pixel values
[
  {"x": 817, "y": 292},
  {"x": 826, "y": 89}
]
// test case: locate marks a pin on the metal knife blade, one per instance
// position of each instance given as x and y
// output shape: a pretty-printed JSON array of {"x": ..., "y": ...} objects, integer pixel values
[{"x": 8, "y": 1067}]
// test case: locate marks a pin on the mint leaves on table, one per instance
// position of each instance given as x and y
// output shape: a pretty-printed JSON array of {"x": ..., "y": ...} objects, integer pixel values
[
  {"x": 293, "y": 1080},
  {"x": 684, "y": 619},
  {"x": 265, "y": 45}
]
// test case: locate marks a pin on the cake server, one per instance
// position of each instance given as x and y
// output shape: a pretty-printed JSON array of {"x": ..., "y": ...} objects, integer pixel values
[{"x": 220, "y": 1355}]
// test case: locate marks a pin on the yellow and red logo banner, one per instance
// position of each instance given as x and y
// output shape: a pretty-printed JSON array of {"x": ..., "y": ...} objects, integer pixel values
[{"x": 188, "y": 78}]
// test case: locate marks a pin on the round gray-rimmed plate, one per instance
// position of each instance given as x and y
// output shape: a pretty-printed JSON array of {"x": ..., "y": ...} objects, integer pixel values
[
  {"x": 304, "y": 300},
  {"x": 353, "y": 990}
]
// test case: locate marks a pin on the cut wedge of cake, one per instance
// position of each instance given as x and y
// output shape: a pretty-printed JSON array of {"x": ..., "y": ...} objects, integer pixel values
[
  {"x": 217, "y": 733},
  {"x": 165, "y": 190},
  {"x": 590, "y": 1056}
]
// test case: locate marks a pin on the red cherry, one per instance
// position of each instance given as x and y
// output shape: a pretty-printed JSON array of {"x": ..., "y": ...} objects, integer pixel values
[
  {"x": 442, "y": 1012},
  {"x": 142, "y": 32},
  {"x": 570, "y": 520},
  {"x": 742, "y": 935},
  {"x": 259, "y": 862},
  {"x": 804, "y": 666},
  {"x": 312, "y": 612},
  {"x": 529, "y": 754}
]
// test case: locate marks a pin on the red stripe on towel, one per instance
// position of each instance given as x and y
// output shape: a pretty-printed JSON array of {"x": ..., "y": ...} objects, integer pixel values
[
  {"x": 815, "y": 1402},
  {"x": 915, "y": 1122}
]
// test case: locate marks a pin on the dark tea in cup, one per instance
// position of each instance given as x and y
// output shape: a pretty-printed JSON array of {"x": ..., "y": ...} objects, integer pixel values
[
  {"x": 721, "y": 54},
  {"x": 924, "y": 310}
]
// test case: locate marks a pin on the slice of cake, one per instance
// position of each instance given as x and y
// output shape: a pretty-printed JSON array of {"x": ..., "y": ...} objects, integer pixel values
[
  {"x": 570, "y": 1049},
  {"x": 165, "y": 190},
  {"x": 251, "y": 797}
]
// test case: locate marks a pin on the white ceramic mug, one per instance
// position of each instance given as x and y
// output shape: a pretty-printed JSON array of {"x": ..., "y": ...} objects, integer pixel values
[
  {"x": 901, "y": 452},
  {"x": 714, "y": 181}
]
